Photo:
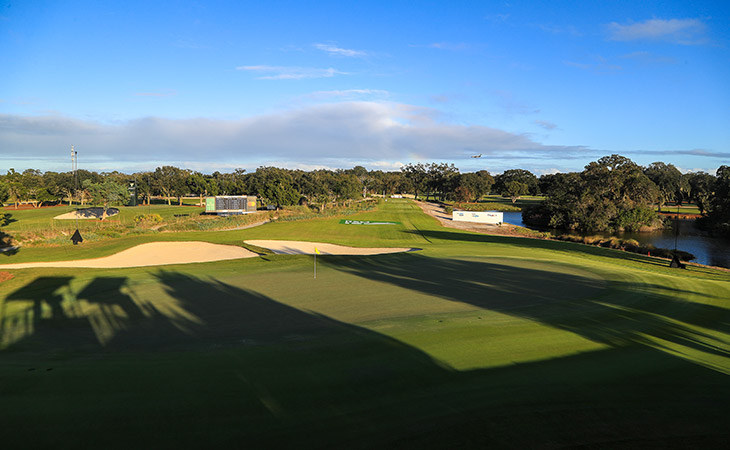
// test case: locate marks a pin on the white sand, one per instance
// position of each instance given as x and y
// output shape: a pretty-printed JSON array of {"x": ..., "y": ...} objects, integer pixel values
[
  {"x": 307, "y": 248},
  {"x": 84, "y": 214},
  {"x": 151, "y": 254}
]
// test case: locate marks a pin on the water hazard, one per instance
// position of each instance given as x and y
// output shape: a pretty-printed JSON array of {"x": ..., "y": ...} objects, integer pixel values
[{"x": 709, "y": 250}]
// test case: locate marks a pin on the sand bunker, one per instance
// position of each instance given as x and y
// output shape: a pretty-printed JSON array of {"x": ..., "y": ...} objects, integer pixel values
[
  {"x": 307, "y": 248},
  {"x": 89, "y": 213},
  {"x": 151, "y": 254}
]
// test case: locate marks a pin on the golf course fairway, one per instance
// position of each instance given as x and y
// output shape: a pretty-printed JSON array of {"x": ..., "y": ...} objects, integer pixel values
[{"x": 475, "y": 341}]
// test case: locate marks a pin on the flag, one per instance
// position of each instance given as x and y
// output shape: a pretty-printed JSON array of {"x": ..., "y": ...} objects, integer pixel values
[{"x": 316, "y": 251}]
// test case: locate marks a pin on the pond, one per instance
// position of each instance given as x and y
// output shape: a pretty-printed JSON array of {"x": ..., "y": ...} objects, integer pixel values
[{"x": 709, "y": 250}]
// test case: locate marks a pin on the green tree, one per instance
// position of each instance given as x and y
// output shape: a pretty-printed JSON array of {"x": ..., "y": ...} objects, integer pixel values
[
  {"x": 478, "y": 183},
  {"x": 514, "y": 190},
  {"x": 16, "y": 190},
  {"x": 668, "y": 180},
  {"x": 610, "y": 194},
  {"x": 520, "y": 175},
  {"x": 4, "y": 192},
  {"x": 720, "y": 204},
  {"x": 59, "y": 185},
  {"x": 197, "y": 184},
  {"x": 442, "y": 179},
  {"x": 701, "y": 189},
  {"x": 347, "y": 186},
  {"x": 316, "y": 186},
  {"x": 169, "y": 181},
  {"x": 144, "y": 185},
  {"x": 276, "y": 186},
  {"x": 108, "y": 192},
  {"x": 417, "y": 177}
]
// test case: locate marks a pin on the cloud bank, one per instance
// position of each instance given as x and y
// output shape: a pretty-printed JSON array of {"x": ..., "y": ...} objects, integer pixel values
[{"x": 340, "y": 135}]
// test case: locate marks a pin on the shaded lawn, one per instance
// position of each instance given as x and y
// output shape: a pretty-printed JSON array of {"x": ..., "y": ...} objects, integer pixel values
[
  {"x": 174, "y": 358},
  {"x": 478, "y": 341}
]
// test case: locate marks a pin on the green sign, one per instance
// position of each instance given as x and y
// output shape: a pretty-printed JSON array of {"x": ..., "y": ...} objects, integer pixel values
[{"x": 365, "y": 222}]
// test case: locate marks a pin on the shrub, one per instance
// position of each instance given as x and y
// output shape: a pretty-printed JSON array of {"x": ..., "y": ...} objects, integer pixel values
[{"x": 147, "y": 219}]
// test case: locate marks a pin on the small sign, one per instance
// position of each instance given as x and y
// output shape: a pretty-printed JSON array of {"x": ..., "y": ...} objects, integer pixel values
[
  {"x": 76, "y": 238},
  {"x": 365, "y": 222}
]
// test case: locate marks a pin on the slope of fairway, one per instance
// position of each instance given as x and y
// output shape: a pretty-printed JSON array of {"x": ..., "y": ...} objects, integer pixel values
[{"x": 475, "y": 342}]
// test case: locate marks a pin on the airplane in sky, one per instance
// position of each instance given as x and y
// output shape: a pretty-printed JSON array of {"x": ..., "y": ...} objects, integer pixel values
[{"x": 477, "y": 156}]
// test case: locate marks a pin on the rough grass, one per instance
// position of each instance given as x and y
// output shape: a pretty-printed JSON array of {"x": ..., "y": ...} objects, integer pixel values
[{"x": 477, "y": 341}]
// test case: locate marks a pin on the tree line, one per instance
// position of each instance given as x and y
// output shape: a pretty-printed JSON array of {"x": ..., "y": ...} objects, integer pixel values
[
  {"x": 614, "y": 193},
  {"x": 610, "y": 193}
]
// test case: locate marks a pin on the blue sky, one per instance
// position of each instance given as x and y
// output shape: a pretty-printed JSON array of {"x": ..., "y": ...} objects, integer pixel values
[{"x": 545, "y": 86}]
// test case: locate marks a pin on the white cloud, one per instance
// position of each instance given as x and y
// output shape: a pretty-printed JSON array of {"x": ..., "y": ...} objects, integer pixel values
[
  {"x": 678, "y": 31},
  {"x": 548, "y": 171},
  {"x": 332, "y": 135},
  {"x": 350, "y": 94},
  {"x": 337, "y": 51},
  {"x": 289, "y": 72},
  {"x": 546, "y": 125}
]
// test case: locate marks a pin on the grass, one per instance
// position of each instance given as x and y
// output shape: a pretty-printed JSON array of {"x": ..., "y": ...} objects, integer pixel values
[
  {"x": 476, "y": 341},
  {"x": 686, "y": 208},
  {"x": 524, "y": 200}
]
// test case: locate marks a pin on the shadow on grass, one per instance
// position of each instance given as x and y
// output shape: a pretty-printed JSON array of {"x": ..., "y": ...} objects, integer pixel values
[
  {"x": 214, "y": 365},
  {"x": 545, "y": 244},
  {"x": 6, "y": 240},
  {"x": 613, "y": 313}
]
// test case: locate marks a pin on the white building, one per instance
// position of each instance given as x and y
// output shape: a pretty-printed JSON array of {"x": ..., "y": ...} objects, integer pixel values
[{"x": 491, "y": 217}]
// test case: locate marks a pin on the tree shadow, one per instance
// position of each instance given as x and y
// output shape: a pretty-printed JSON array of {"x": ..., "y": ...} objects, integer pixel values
[
  {"x": 543, "y": 244},
  {"x": 615, "y": 313},
  {"x": 45, "y": 322},
  {"x": 6, "y": 240},
  {"x": 6, "y": 219},
  {"x": 214, "y": 364}
]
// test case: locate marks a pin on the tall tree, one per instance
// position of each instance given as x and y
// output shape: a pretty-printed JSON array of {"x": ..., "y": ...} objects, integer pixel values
[
  {"x": 416, "y": 174},
  {"x": 720, "y": 203},
  {"x": 610, "y": 194},
  {"x": 4, "y": 191},
  {"x": 667, "y": 178},
  {"x": 170, "y": 182},
  {"x": 475, "y": 185},
  {"x": 519, "y": 175},
  {"x": 701, "y": 189},
  {"x": 275, "y": 185}
]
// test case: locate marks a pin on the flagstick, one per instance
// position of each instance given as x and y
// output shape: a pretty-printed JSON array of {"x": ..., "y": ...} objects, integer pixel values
[{"x": 315, "y": 264}]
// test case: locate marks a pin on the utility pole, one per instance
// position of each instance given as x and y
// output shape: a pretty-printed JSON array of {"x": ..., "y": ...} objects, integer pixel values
[
  {"x": 74, "y": 167},
  {"x": 76, "y": 238}
]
